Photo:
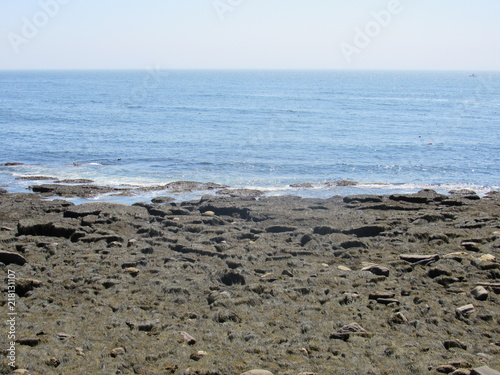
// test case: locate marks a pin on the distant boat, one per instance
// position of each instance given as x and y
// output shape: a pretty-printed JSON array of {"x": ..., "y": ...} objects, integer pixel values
[{"x": 473, "y": 76}]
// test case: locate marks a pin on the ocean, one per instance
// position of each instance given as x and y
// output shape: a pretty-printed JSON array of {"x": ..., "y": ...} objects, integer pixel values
[{"x": 391, "y": 132}]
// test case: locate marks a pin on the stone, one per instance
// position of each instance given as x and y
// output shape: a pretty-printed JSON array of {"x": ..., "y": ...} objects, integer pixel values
[
  {"x": 465, "y": 310},
  {"x": 480, "y": 293},
  {"x": 487, "y": 258},
  {"x": 470, "y": 246},
  {"x": 280, "y": 229},
  {"x": 196, "y": 356},
  {"x": 257, "y": 372},
  {"x": 208, "y": 213},
  {"x": 381, "y": 295},
  {"x": 450, "y": 344},
  {"x": 377, "y": 270},
  {"x": 132, "y": 271},
  {"x": 190, "y": 340},
  {"x": 461, "y": 371},
  {"x": 117, "y": 352},
  {"x": 343, "y": 268},
  {"x": 445, "y": 369},
  {"x": 7, "y": 257},
  {"x": 23, "y": 286},
  {"x": 484, "y": 370},
  {"x": 419, "y": 258}
]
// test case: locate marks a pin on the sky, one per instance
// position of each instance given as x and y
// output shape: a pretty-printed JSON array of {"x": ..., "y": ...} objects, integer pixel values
[{"x": 250, "y": 34}]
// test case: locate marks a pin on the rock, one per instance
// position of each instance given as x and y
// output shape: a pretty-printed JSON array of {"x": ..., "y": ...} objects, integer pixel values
[
  {"x": 461, "y": 371},
  {"x": 465, "y": 310},
  {"x": 341, "y": 183},
  {"x": 35, "y": 178},
  {"x": 377, "y": 270},
  {"x": 42, "y": 227},
  {"x": 344, "y": 268},
  {"x": 470, "y": 246},
  {"x": 117, "y": 352},
  {"x": 162, "y": 199},
  {"x": 74, "y": 181},
  {"x": 366, "y": 231},
  {"x": 381, "y": 295},
  {"x": 7, "y": 257},
  {"x": 196, "y": 356},
  {"x": 462, "y": 192},
  {"x": 71, "y": 191},
  {"x": 484, "y": 370},
  {"x": 208, "y": 213},
  {"x": 419, "y": 258},
  {"x": 11, "y": 164},
  {"x": 190, "y": 340},
  {"x": 257, "y": 372},
  {"x": 280, "y": 229},
  {"x": 480, "y": 293},
  {"x": 324, "y": 230},
  {"x": 23, "y": 286},
  {"x": 241, "y": 193},
  {"x": 362, "y": 198},
  {"x": 450, "y": 344},
  {"x": 445, "y": 369},
  {"x": 132, "y": 271},
  {"x": 347, "y": 330},
  {"x": 487, "y": 258}
]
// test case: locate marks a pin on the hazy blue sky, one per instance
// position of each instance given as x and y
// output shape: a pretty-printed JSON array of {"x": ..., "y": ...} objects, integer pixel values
[{"x": 288, "y": 34}]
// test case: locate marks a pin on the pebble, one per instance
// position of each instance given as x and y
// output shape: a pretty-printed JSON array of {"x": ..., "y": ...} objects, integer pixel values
[
  {"x": 198, "y": 355},
  {"x": 208, "y": 213},
  {"x": 341, "y": 268},
  {"x": 132, "y": 271},
  {"x": 465, "y": 310},
  {"x": 117, "y": 351},
  {"x": 480, "y": 293},
  {"x": 190, "y": 340},
  {"x": 377, "y": 270},
  {"x": 449, "y": 344},
  {"x": 445, "y": 369},
  {"x": 461, "y": 371},
  {"x": 257, "y": 372}
]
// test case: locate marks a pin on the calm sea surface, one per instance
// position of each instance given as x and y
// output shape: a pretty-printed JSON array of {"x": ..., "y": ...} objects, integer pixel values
[{"x": 389, "y": 131}]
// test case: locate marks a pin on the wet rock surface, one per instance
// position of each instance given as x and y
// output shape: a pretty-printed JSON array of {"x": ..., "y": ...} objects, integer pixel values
[{"x": 401, "y": 284}]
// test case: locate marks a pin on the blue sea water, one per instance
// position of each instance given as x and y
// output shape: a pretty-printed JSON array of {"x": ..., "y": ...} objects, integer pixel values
[{"x": 389, "y": 131}]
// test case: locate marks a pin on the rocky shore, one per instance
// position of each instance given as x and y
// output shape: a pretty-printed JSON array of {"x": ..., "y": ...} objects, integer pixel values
[{"x": 399, "y": 284}]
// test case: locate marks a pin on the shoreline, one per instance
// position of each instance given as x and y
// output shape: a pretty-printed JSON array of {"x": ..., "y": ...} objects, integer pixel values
[{"x": 364, "y": 283}]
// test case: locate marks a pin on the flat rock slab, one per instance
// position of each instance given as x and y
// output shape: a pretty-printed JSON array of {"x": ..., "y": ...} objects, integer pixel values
[
  {"x": 419, "y": 258},
  {"x": 484, "y": 370}
]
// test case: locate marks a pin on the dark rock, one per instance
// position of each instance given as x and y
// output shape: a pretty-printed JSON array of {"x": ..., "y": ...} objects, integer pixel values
[
  {"x": 324, "y": 230},
  {"x": 470, "y": 246},
  {"x": 280, "y": 229},
  {"x": 241, "y": 193},
  {"x": 366, "y": 231},
  {"x": 23, "y": 286},
  {"x": 7, "y": 258},
  {"x": 462, "y": 192},
  {"x": 377, "y": 270},
  {"x": 46, "y": 228},
  {"x": 419, "y": 258},
  {"x": 232, "y": 278},
  {"x": 363, "y": 198},
  {"x": 353, "y": 244},
  {"x": 11, "y": 164},
  {"x": 71, "y": 191},
  {"x": 450, "y": 344},
  {"x": 162, "y": 199}
]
